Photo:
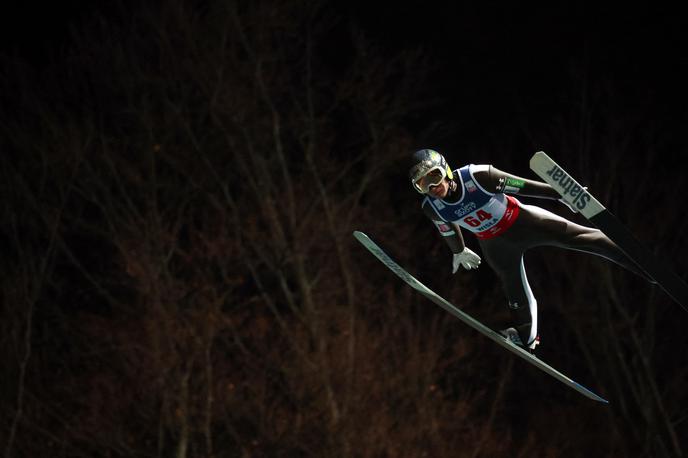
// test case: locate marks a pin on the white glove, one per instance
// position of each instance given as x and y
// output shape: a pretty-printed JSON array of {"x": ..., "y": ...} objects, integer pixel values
[{"x": 467, "y": 258}]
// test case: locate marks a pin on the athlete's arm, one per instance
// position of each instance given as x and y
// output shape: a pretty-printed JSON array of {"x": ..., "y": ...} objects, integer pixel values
[
  {"x": 450, "y": 232},
  {"x": 495, "y": 180}
]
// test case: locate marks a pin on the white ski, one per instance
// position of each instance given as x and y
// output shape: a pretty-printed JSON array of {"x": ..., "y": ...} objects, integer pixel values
[
  {"x": 470, "y": 321},
  {"x": 578, "y": 197}
]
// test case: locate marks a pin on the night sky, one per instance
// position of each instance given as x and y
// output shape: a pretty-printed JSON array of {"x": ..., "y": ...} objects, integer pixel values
[{"x": 600, "y": 87}]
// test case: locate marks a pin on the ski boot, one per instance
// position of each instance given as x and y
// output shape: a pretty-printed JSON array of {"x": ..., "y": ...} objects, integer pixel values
[{"x": 512, "y": 335}]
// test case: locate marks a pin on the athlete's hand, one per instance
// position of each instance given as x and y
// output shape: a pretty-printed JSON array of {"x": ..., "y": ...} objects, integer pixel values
[{"x": 467, "y": 258}]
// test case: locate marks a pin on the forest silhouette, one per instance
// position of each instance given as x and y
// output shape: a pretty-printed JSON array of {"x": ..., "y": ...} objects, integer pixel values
[{"x": 179, "y": 191}]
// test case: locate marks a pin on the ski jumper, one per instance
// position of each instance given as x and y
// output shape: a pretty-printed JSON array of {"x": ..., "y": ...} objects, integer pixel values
[{"x": 506, "y": 229}]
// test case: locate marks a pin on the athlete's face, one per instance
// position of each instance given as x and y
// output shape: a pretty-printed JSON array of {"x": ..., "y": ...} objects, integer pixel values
[
  {"x": 440, "y": 190},
  {"x": 434, "y": 183}
]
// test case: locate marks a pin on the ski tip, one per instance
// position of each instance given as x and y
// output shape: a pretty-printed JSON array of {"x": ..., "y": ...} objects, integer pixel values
[
  {"x": 363, "y": 239},
  {"x": 539, "y": 156}
]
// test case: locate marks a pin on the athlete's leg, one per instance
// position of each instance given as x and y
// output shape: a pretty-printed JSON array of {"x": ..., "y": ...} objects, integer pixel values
[
  {"x": 554, "y": 230},
  {"x": 506, "y": 259}
]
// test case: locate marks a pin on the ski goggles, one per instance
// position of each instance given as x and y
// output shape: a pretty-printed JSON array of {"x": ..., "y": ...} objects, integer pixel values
[{"x": 433, "y": 177}]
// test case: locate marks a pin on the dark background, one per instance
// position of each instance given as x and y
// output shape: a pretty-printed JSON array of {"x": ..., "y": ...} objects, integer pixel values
[{"x": 180, "y": 183}]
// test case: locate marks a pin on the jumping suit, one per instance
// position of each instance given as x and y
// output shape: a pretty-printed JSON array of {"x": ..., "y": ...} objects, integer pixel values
[{"x": 506, "y": 229}]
